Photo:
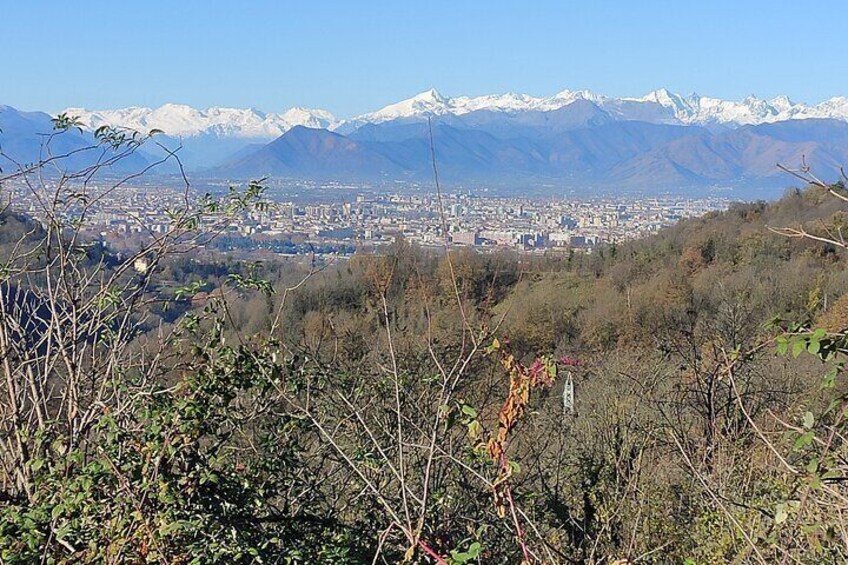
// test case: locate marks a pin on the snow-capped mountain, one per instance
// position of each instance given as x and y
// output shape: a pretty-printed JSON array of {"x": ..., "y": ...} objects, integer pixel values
[
  {"x": 574, "y": 136},
  {"x": 702, "y": 110},
  {"x": 432, "y": 103},
  {"x": 178, "y": 120},
  {"x": 660, "y": 106}
]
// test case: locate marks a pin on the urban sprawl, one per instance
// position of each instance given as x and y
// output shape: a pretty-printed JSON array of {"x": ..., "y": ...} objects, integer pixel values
[{"x": 344, "y": 224}]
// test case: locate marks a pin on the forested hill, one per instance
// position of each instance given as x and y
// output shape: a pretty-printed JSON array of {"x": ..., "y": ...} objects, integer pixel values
[
  {"x": 412, "y": 405},
  {"x": 728, "y": 264},
  {"x": 662, "y": 427},
  {"x": 723, "y": 264}
]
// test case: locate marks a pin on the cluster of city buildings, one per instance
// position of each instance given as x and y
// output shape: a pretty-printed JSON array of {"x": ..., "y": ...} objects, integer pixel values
[{"x": 381, "y": 217}]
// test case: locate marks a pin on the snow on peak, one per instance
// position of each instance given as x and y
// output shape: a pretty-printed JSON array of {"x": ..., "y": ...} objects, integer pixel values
[
  {"x": 681, "y": 106},
  {"x": 180, "y": 120},
  {"x": 432, "y": 103},
  {"x": 659, "y": 106},
  {"x": 429, "y": 102},
  {"x": 431, "y": 96},
  {"x": 309, "y": 117},
  {"x": 836, "y": 107},
  {"x": 703, "y": 110},
  {"x": 781, "y": 103},
  {"x": 566, "y": 97}
]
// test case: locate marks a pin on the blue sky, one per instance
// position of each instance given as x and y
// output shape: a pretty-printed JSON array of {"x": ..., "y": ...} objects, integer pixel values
[{"x": 354, "y": 56}]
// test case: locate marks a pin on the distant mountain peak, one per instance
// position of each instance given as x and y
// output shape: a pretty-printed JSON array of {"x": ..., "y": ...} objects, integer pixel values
[
  {"x": 573, "y": 136},
  {"x": 180, "y": 120},
  {"x": 693, "y": 109},
  {"x": 431, "y": 95},
  {"x": 659, "y": 106},
  {"x": 565, "y": 97},
  {"x": 429, "y": 102},
  {"x": 176, "y": 107},
  {"x": 665, "y": 97}
]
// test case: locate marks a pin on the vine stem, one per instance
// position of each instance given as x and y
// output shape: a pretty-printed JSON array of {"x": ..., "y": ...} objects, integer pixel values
[{"x": 439, "y": 559}]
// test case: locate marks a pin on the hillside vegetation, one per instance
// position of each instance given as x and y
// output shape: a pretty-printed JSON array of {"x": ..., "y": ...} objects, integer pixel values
[{"x": 408, "y": 406}]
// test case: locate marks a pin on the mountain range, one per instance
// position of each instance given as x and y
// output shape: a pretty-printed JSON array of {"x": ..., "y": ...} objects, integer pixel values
[
  {"x": 573, "y": 138},
  {"x": 659, "y": 106},
  {"x": 25, "y": 138}
]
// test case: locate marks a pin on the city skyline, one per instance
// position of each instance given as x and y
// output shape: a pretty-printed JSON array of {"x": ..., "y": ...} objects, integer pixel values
[{"x": 342, "y": 219}]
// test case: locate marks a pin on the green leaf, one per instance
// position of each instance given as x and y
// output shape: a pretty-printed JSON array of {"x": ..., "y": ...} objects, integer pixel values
[
  {"x": 813, "y": 465},
  {"x": 829, "y": 380},
  {"x": 474, "y": 549},
  {"x": 475, "y": 430},
  {"x": 803, "y": 441},
  {"x": 462, "y": 557}
]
